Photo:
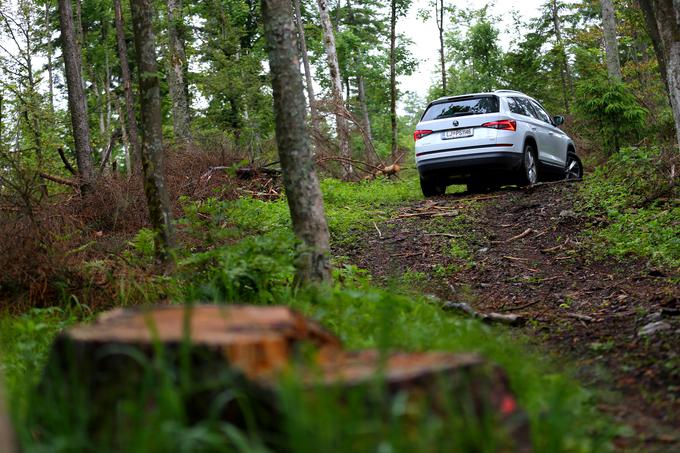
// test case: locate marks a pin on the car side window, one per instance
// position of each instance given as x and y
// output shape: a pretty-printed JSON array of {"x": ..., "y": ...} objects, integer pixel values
[
  {"x": 518, "y": 106},
  {"x": 540, "y": 112}
]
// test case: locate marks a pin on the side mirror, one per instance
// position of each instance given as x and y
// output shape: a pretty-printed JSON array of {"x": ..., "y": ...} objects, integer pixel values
[{"x": 558, "y": 120}]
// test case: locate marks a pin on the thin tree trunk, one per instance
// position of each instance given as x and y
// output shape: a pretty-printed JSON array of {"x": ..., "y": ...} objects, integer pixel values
[
  {"x": 364, "y": 107},
  {"x": 152, "y": 133},
  {"x": 76, "y": 96},
  {"x": 336, "y": 86},
  {"x": 393, "y": 79},
  {"x": 564, "y": 72},
  {"x": 134, "y": 150},
  {"x": 305, "y": 62},
  {"x": 663, "y": 20},
  {"x": 610, "y": 45},
  {"x": 439, "y": 18},
  {"x": 176, "y": 80},
  {"x": 50, "y": 53},
  {"x": 299, "y": 174}
]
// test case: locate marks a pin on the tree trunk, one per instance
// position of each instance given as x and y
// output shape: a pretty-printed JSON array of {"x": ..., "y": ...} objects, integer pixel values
[
  {"x": 299, "y": 173},
  {"x": 336, "y": 85},
  {"x": 76, "y": 95},
  {"x": 50, "y": 53},
  {"x": 176, "y": 80},
  {"x": 393, "y": 78},
  {"x": 152, "y": 134},
  {"x": 610, "y": 45},
  {"x": 663, "y": 23},
  {"x": 439, "y": 18},
  {"x": 564, "y": 72},
  {"x": 134, "y": 150},
  {"x": 364, "y": 107},
  {"x": 305, "y": 62}
]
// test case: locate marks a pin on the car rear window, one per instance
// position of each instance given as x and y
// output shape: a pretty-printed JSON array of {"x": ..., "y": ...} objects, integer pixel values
[{"x": 461, "y": 107}]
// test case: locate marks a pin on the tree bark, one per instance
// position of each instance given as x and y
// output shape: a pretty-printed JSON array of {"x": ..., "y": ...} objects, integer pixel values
[
  {"x": 305, "y": 200},
  {"x": 565, "y": 72},
  {"x": 305, "y": 63},
  {"x": 610, "y": 44},
  {"x": 393, "y": 78},
  {"x": 50, "y": 53},
  {"x": 364, "y": 107},
  {"x": 176, "y": 80},
  {"x": 336, "y": 86},
  {"x": 134, "y": 150},
  {"x": 439, "y": 18},
  {"x": 663, "y": 23},
  {"x": 76, "y": 96},
  {"x": 152, "y": 135}
]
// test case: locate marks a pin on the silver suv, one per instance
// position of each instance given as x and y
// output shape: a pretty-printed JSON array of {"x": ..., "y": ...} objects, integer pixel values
[{"x": 488, "y": 139}]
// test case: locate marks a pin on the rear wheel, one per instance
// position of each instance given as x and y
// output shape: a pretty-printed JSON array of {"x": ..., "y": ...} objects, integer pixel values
[
  {"x": 529, "y": 171},
  {"x": 574, "y": 168},
  {"x": 432, "y": 187}
]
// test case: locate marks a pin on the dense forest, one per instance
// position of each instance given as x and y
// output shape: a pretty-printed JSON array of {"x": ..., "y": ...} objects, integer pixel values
[{"x": 261, "y": 152}]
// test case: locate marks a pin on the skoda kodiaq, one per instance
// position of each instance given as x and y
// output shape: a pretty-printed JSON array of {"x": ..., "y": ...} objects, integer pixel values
[{"x": 488, "y": 139}]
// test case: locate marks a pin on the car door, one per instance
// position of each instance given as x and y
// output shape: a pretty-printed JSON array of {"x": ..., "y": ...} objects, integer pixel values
[
  {"x": 536, "y": 125},
  {"x": 552, "y": 153}
]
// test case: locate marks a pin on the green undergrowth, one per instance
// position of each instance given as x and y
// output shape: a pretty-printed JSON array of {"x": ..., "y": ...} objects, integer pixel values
[
  {"x": 628, "y": 194},
  {"x": 242, "y": 252}
]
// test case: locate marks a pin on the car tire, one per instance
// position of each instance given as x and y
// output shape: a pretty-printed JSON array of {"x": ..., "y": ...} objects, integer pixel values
[
  {"x": 432, "y": 187},
  {"x": 574, "y": 167},
  {"x": 528, "y": 174}
]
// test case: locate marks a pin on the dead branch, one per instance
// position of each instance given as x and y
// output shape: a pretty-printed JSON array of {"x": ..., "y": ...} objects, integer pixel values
[
  {"x": 447, "y": 235},
  {"x": 580, "y": 317},
  {"x": 513, "y": 320},
  {"x": 58, "y": 180},
  {"x": 523, "y": 234},
  {"x": 67, "y": 164}
]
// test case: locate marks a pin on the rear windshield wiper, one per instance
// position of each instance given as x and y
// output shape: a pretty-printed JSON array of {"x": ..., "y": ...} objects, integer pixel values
[{"x": 455, "y": 114}]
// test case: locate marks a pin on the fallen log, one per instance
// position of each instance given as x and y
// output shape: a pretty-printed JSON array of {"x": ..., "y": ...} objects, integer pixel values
[
  {"x": 513, "y": 320},
  {"x": 208, "y": 350}
]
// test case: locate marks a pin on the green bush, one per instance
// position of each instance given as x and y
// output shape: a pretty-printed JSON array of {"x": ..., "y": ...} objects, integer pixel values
[{"x": 622, "y": 192}]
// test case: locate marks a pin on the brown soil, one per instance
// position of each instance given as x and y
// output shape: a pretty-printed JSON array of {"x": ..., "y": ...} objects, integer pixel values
[{"x": 588, "y": 308}]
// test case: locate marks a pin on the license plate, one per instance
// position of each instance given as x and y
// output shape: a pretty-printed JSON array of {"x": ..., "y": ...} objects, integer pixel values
[{"x": 457, "y": 133}]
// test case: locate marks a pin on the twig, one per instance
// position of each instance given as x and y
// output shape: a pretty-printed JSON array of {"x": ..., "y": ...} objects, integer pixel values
[
  {"x": 521, "y": 307},
  {"x": 552, "y": 249},
  {"x": 448, "y": 235},
  {"x": 525, "y": 233},
  {"x": 378, "y": 230},
  {"x": 514, "y": 258}
]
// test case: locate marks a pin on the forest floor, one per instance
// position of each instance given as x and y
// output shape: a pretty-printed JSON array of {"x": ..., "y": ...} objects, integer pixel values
[{"x": 521, "y": 251}]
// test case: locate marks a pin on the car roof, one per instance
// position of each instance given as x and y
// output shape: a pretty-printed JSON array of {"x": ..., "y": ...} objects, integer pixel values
[{"x": 488, "y": 93}]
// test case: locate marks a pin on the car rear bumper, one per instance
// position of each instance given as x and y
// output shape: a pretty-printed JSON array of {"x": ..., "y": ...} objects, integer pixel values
[{"x": 470, "y": 164}]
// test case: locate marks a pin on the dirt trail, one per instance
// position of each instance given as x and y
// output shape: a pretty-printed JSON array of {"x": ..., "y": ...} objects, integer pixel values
[{"x": 522, "y": 252}]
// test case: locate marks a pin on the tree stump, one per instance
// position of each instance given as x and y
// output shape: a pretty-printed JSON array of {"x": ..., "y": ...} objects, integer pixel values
[{"x": 202, "y": 351}]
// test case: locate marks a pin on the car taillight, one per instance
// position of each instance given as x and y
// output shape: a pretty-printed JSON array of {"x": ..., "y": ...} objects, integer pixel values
[
  {"x": 506, "y": 125},
  {"x": 417, "y": 135}
]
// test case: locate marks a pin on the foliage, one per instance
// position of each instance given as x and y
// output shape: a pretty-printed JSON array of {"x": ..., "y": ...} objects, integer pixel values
[
  {"x": 626, "y": 192},
  {"x": 611, "y": 105}
]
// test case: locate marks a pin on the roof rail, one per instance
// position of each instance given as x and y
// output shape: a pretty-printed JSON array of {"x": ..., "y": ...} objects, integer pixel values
[{"x": 508, "y": 91}]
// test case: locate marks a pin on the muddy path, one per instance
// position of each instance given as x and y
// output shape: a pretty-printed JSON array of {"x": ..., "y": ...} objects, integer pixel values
[{"x": 523, "y": 251}]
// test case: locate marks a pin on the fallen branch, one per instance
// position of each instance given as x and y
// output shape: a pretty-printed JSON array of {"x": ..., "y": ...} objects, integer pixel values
[
  {"x": 447, "y": 235},
  {"x": 523, "y": 234},
  {"x": 521, "y": 307},
  {"x": 58, "y": 180},
  {"x": 513, "y": 320},
  {"x": 580, "y": 317},
  {"x": 515, "y": 258},
  {"x": 378, "y": 230}
]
